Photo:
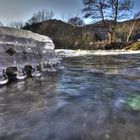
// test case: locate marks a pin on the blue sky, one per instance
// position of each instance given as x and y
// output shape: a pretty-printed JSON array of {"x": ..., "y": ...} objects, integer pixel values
[{"x": 22, "y": 10}]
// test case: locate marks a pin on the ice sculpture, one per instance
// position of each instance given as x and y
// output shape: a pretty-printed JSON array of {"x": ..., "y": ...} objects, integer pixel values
[{"x": 20, "y": 48}]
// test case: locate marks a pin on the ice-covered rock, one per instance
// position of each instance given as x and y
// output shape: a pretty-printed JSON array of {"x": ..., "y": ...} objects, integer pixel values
[{"x": 20, "y": 48}]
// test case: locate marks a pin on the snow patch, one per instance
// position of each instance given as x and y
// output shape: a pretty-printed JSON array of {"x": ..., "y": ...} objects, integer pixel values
[{"x": 74, "y": 53}]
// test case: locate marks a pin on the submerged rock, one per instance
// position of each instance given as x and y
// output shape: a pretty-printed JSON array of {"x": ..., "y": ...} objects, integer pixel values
[{"x": 134, "y": 102}]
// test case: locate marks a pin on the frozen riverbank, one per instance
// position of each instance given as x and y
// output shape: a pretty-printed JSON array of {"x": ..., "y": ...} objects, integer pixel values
[{"x": 72, "y": 53}]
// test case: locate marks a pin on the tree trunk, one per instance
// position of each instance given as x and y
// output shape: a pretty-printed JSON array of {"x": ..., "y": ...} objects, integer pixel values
[
  {"x": 110, "y": 37},
  {"x": 130, "y": 31}
]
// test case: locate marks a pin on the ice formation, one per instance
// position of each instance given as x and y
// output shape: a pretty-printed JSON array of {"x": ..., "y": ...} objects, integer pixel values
[{"x": 19, "y": 48}]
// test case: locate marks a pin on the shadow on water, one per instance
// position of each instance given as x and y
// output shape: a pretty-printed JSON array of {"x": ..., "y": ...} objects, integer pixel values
[{"x": 93, "y": 98}]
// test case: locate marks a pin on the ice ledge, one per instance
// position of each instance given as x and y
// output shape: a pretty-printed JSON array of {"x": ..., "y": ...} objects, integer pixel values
[
  {"x": 20, "y": 33},
  {"x": 24, "y": 34}
]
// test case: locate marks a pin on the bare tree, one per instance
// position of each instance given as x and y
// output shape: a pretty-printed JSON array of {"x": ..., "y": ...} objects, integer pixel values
[
  {"x": 40, "y": 16},
  {"x": 134, "y": 21},
  {"x": 109, "y": 11},
  {"x": 76, "y": 21},
  {"x": 16, "y": 24},
  {"x": 65, "y": 17}
]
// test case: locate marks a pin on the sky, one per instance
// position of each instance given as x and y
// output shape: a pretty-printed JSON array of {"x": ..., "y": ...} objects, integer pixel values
[{"x": 22, "y": 10}]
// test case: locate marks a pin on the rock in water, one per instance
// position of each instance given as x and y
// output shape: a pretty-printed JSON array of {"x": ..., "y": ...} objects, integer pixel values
[{"x": 20, "y": 48}]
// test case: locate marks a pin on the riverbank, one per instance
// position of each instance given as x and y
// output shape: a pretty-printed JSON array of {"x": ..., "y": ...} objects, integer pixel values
[{"x": 86, "y": 37}]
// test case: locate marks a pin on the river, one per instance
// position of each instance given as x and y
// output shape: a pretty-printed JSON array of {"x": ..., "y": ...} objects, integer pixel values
[{"x": 93, "y": 98}]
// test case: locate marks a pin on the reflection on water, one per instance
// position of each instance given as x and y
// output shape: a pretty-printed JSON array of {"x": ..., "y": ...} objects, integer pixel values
[{"x": 93, "y": 98}]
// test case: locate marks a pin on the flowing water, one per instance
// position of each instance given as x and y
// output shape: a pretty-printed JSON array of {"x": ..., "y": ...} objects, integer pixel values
[{"x": 92, "y": 98}]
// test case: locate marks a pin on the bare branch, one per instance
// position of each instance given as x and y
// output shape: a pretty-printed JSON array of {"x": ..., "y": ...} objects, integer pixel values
[
  {"x": 107, "y": 10},
  {"x": 40, "y": 16}
]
